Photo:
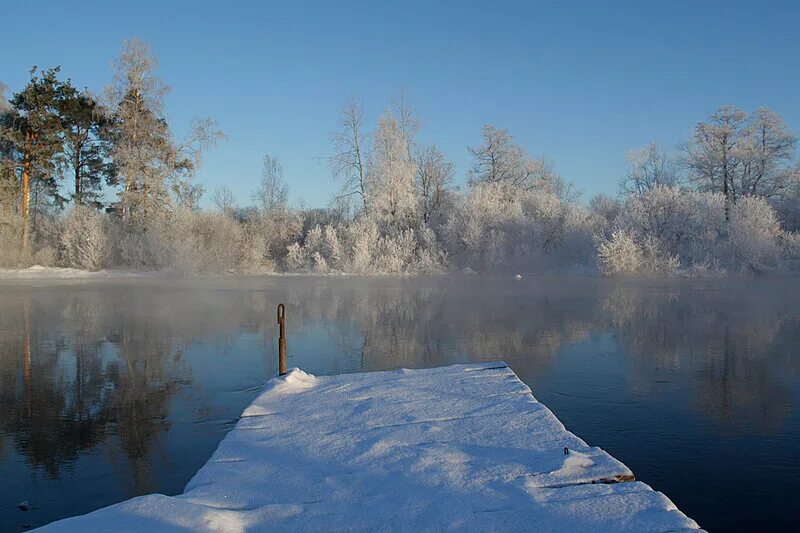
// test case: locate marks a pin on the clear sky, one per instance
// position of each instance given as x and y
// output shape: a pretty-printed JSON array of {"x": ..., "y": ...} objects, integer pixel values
[{"x": 580, "y": 82}]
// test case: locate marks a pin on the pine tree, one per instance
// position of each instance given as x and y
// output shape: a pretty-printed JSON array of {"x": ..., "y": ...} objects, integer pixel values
[
  {"x": 32, "y": 133},
  {"x": 85, "y": 126}
]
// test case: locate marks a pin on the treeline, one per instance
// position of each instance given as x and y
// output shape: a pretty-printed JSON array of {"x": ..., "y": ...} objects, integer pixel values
[{"x": 102, "y": 182}]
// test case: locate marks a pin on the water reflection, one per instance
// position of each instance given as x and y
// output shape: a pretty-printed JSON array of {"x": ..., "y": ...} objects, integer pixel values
[
  {"x": 113, "y": 389},
  {"x": 735, "y": 342}
]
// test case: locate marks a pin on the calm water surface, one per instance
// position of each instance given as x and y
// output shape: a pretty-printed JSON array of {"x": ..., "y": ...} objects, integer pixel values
[{"x": 111, "y": 389}]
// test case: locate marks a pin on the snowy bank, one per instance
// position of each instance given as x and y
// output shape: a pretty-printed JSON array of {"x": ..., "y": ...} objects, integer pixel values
[
  {"x": 458, "y": 447},
  {"x": 41, "y": 272}
]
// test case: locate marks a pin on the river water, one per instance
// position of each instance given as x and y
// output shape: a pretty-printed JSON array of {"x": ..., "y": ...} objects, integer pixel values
[{"x": 111, "y": 389}]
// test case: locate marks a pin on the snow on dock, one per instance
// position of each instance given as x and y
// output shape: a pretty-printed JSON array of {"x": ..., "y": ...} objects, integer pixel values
[{"x": 457, "y": 447}]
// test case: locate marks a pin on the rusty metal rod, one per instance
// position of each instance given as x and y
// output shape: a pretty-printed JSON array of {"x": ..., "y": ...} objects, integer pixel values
[{"x": 282, "y": 339}]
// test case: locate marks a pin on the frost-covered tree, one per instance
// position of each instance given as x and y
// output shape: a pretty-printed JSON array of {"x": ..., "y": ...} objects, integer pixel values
[
  {"x": 434, "y": 181},
  {"x": 713, "y": 156},
  {"x": 605, "y": 210},
  {"x": 349, "y": 161},
  {"x": 767, "y": 153},
  {"x": 741, "y": 156},
  {"x": 623, "y": 254},
  {"x": 787, "y": 204},
  {"x": 142, "y": 150},
  {"x": 407, "y": 122},
  {"x": 225, "y": 200},
  {"x": 498, "y": 159},
  {"x": 753, "y": 235},
  {"x": 272, "y": 192},
  {"x": 149, "y": 162},
  {"x": 648, "y": 168},
  {"x": 391, "y": 174},
  {"x": 684, "y": 224}
]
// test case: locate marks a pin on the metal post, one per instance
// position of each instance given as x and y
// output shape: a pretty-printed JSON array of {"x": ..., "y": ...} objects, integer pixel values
[{"x": 282, "y": 339}]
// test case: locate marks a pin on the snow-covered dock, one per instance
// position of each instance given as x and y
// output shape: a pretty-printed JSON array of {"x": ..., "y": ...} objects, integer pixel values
[{"x": 457, "y": 447}]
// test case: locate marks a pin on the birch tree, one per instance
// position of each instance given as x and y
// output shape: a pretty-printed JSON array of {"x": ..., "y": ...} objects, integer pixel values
[
  {"x": 349, "y": 161},
  {"x": 225, "y": 200},
  {"x": 498, "y": 159},
  {"x": 712, "y": 156},
  {"x": 739, "y": 155},
  {"x": 142, "y": 146},
  {"x": 407, "y": 122},
  {"x": 648, "y": 168},
  {"x": 149, "y": 162},
  {"x": 391, "y": 175},
  {"x": 434, "y": 180},
  {"x": 272, "y": 192},
  {"x": 767, "y": 153}
]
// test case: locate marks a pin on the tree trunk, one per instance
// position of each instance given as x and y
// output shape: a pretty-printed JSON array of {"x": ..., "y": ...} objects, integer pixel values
[
  {"x": 26, "y": 192},
  {"x": 78, "y": 192}
]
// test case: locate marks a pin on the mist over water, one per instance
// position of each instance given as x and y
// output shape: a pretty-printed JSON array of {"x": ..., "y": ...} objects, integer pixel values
[{"x": 111, "y": 389}]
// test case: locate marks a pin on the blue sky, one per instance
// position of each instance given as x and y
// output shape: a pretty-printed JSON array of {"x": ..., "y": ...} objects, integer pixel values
[{"x": 580, "y": 82}]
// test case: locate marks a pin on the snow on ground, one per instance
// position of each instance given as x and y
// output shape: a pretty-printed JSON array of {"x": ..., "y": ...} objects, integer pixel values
[
  {"x": 41, "y": 272},
  {"x": 459, "y": 447}
]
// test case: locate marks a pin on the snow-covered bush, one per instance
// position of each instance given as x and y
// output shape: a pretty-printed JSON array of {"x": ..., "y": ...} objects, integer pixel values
[
  {"x": 361, "y": 248},
  {"x": 278, "y": 229},
  {"x": 84, "y": 239},
  {"x": 790, "y": 250},
  {"x": 623, "y": 255},
  {"x": 253, "y": 253},
  {"x": 619, "y": 255},
  {"x": 604, "y": 211},
  {"x": 753, "y": 235},
  {"x": 683, "y": 224},
  {"x": 496, "y": 224},
  {"x": 207, "y": 242},
  {"x": 145, "y": 244}
]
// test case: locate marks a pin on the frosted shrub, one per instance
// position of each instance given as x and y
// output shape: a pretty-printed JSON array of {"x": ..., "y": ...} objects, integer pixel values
[
  {"x": 84, "y": 240},
  {"x": 578, "y": 241},
  {"x": 790, "y": 250},
  {"x": 253, "y": 252},
  {"x": 207, "y": 242},
  {"x": 619, "y": 255},
  {"x": 295, "y": 258},
  {"x": 604, "y": 211},
  {"x": 682, "y": 224},
  {"x": 395, "y": 254},
  {"x": 362, "y": 237},
  {"x": 476, "y": 231},
  {"x": 320, "y": 264},
  {"x": 545, "y": 216},
  {"x": 278, "y": 229},
  {"x": 622, "y": 255},
  {"x": 430, "y": 255},
  {"x": 311, "y": 255},
  {"x": 146, "y": 244},
  {"x": 361, "y": 248},
  {"x": 333, "y": 247},
  {"x": 753, "y": 233}
]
